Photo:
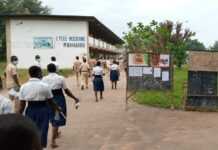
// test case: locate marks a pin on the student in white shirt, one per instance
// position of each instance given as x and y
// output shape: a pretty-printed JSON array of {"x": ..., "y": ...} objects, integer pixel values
[
  {"x": 54, "y": 61},
  {"x": 57, "y": 84},
  {"x": 98, "y": 80},
  {"x": 37, "y": 61},
  {"x": 6, "y": 106},
  {"x": 38, "y": 95},
  {"x": 114, "y": 74}
]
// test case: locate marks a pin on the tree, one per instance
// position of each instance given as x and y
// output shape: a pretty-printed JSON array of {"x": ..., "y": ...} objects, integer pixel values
[
  {"x": 159, "y": 37},
  {"x": 214, "y": 47},
  {"x": 195, "y": 45},
  {"x": 13, "y": 7}
]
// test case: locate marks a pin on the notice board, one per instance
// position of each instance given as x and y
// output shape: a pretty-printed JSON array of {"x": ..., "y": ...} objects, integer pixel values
[
  {"x": 202, "y": 81},
  {"x": 149, "y": 71}
]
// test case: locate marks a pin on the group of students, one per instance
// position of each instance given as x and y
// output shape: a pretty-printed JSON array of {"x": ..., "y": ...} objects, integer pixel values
[
  {"x": 41, "y": 98},
  {"x": 83, "y": 69}
]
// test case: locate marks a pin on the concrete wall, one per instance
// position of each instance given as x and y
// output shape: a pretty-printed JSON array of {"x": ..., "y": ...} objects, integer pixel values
[{"x": 63, "y": 39}]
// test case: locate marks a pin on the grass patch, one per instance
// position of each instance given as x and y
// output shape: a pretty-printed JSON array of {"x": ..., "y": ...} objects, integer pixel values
[{"x": 165, "y": 99}]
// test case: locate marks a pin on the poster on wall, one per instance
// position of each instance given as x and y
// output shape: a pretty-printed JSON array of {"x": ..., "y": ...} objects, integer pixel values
[
  {"x": 164, "y": 60},
  {"x": 147, "y": 70},
  {"x": 157, "y": 72},
  {"x": 43, "y": 43},
  {"x": 165, "y": 76},
  {"x": 155, "y": 60},
  {"x": 138, "y": 59},
  {"x": 135, "y": 71}
]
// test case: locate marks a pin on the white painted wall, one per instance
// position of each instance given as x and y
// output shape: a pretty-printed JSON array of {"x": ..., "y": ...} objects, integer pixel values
[{"x": 22, "y": 33}]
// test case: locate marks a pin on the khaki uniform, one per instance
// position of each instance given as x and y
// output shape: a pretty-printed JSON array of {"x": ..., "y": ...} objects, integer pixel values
[
  {"x": 76, "y": 67},
  {"x": 11, "y": 70},
  {"x": 84, "y": 68}
]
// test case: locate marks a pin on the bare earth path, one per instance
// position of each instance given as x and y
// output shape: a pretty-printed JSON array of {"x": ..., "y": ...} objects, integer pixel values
[{"x": 107, "y": 126}]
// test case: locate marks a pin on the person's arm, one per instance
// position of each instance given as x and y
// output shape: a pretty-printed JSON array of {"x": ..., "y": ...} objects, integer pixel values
[
  {"x": 15, "y": 78},
  {"x": 53, "y": 105},
  {"x": 70, "y": 94},
  {"x": 21, "y": 107}
]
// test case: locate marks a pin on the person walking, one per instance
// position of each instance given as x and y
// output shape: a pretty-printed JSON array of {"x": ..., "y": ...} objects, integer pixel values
[
  {"x": 54, "y": 61},
  {"x": 38, "y": 95},
  {"x": 98, "y": 82},
  {"x": 76, "y": 69},
  {"x": 57, "y": 84},
  {"x": 114, "y": 74},
  {"x": 85, "y": 72},
  {"x": 37, "y": 61}
]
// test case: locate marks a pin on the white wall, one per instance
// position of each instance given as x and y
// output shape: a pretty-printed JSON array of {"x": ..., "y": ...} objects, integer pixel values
[{"x": 23, "y": 33}]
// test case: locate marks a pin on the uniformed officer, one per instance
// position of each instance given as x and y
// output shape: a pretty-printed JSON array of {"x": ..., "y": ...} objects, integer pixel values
[
  {"x": 76, "y": 69},
  {"x": 38, "y": 95},
  {"x": 57, "y": 84},
  {"x": 12, "y": 80},
  {"x": 114, "y": 74},
  {"x": 85, "y": 71},
  {"x": 98, "y": 80}
]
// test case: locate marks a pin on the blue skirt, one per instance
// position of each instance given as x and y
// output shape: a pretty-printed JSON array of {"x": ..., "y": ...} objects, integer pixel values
[
  {"x": 38, "y": 112},
  {"x": 114, "y": 76},
  {"x": 59, "y": 99},
  {"x": 98, "y": 83}
]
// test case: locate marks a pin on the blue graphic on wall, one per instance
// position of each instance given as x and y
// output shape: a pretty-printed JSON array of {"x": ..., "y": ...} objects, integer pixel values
[{"x": 43, "y": 43}]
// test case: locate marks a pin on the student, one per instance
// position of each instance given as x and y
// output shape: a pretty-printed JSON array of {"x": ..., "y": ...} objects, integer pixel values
[
  {"x": 85, "y": 72},
  {"x": 98, "y": 80},
  {"x": 18, "y": 133},
  {"x": 114, "y": 74},
  {"x": 38, "y": 96},
  {"x": 12, "y": 81},
  {"x": 6, "y": 106},
  {"x": 57, "y": 84},
  {"x": 54, "y": 61},
  {"x": 76, "y": 69},
  {"x": 37, "y": 61}
]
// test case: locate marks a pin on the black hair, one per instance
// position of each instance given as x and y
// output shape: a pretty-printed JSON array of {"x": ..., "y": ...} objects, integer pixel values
[
  {"x": 35, "y": 72},
  {"x": 114, "y": 62},
  {"x": 53, "y": 58},
  {"x": 84, "y": 59},
  {"x": 77, "y": 57},
  {"x": 37, "y": 57},
  {"x": 51, "y": 68},
  {"x": 14, "y": 58},
  {"x": 98, "y": 63},
  {"x": 18, "y": 132}
]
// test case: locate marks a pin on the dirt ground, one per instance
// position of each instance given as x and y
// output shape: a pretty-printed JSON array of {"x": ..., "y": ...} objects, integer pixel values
[{"x": 106, "y": 125}]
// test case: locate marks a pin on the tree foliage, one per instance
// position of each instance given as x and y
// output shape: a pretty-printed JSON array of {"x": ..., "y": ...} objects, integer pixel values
[
  {"x": 214, "y": 47},
  {"x": 159, "y": 37},
  {"x": 13, "y": 7},
  {"x": 195, "y": 45}
]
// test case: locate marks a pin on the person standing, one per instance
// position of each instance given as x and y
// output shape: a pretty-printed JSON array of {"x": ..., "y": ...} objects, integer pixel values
[
  {"x": 54, "y": 61},
  {"x": 12, "y": 80},
  {"x": 37, "y": 61},
  {"x": 85, "y": 72},
  {"x": 76, "y": 69},
  {"x": 114, "y": 74},
  {"x": 57, "y": 84},
  {"x": 98, "y": 82},
  {"x": 38, "y": 95}
]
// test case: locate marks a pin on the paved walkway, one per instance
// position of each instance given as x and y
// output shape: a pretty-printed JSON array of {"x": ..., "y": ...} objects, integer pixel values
[{"x": 107, "y": 126}]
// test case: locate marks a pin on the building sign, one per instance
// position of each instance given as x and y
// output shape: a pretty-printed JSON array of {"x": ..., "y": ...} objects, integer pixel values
[
  {"x": 59, "y": 42},
  {"x": 43, "y": 43}
]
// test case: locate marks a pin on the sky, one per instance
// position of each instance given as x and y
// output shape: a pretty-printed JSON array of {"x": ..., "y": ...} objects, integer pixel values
[{"x": 200, "y": 16}]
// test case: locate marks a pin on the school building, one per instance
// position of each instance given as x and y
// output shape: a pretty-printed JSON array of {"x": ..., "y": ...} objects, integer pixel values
[{"x": 61, "y": 36}]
